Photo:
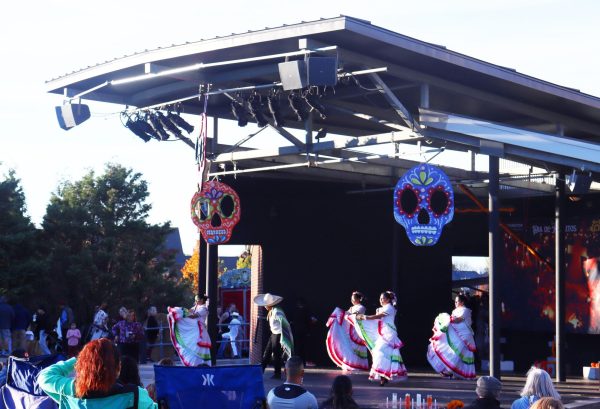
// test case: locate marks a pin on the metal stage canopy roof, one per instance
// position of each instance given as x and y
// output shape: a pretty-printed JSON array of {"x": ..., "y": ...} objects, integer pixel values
[{"x": 384, "y": 80}]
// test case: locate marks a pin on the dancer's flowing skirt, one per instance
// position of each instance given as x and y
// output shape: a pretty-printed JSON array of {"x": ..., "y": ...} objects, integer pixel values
[
  {"x": 382, "y": 340},
  {"x": 346, "y": 349},
  {"x": 189, "y": 337},
  {"x": 451, "y": 348}
]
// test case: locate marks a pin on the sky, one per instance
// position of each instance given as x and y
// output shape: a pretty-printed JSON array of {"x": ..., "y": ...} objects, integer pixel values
[{"x": 557, "y": 41}]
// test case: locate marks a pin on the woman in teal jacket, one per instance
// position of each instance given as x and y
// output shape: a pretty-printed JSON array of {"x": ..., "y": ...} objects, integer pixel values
[{"x": 95, "y": 384}]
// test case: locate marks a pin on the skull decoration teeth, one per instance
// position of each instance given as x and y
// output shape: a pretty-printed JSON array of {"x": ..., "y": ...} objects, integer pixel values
[
  {"x": 424, "y": 203},
  {"x": 214, "y": 220}
]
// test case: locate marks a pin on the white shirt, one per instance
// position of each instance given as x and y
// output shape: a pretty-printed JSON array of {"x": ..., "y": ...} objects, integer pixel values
[
  {"x": 464, "y": 313},
  {"x": 291, "y": 396},
  {"x": 202, "y": 311},
  {"x": 390, "y": 313},
  {"x": 357, "y": 309},
  {"x": 274, "y": 323}
]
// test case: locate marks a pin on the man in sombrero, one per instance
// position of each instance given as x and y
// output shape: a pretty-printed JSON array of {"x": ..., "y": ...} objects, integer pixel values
[{"x": 281, "y": 342}]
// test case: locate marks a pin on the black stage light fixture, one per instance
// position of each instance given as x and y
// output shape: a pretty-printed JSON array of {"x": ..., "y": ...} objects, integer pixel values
[
  {"x": 256, "y": 111},
  {"x": 134, "y": 126},
  {"x": 152, "y": 119},
  {"x": 71, "y": 115},
  {"x": 180, "y": 122},
  {"x": 168, "y": 125},
  {"x": 313, "y": 101},
  {"x": 321, "y": 133},
  {"x": 240, "y": 113},
  {"x": 275, "y": 110},
  {"x": 146, "y": 127},
  {"x": 297, "y": 105}
]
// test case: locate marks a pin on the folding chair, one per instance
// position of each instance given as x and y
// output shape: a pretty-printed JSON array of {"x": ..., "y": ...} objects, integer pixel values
[{"x": 223, "y": 387}]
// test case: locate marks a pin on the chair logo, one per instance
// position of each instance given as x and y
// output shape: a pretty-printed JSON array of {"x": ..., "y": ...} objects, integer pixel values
[{"x": 207, "y": 380}]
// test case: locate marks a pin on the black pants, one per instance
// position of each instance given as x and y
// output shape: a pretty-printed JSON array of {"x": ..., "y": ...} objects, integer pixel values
[{"x": 273, "y": 350}]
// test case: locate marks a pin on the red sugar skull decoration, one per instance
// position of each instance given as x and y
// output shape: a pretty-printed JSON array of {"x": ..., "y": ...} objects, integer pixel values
[{"x": 216, "y": 210}]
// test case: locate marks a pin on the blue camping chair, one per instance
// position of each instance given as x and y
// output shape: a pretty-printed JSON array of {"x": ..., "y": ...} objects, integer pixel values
[
  {"x": 223, "y": 387},
  {"x": 22, "y": 389}
]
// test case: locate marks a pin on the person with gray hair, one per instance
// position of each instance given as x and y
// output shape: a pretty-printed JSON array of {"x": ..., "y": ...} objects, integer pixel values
[
  {"x": 538, "y": 385},
  {"x": 487, "y": 390},
  {"x": 291, "y": 395}
]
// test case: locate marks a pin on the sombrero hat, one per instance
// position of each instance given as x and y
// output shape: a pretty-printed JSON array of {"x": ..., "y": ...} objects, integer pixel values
[{"x": 267, "y": 300}]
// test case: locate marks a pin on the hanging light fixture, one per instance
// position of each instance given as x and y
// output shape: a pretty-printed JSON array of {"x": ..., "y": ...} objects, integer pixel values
[
  {"x": 239, "y": 112},
  {"x": 134, "y": 126},
  {"x": 180, "y": 122},
  {"x": 256, "y": 110},
  {"x": 297, "y": 105},
  {"x": 275, "y": 110},
  {"x": 153, "y": 121}
]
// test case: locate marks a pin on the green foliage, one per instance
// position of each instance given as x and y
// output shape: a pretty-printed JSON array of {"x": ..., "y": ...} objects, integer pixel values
[
  {"x": 100, "y": 247},
  {"x": 20, "y": 264}
]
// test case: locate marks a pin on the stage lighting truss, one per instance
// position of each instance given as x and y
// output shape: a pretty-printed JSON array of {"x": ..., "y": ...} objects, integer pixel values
[{"x": 153, "y": 124}]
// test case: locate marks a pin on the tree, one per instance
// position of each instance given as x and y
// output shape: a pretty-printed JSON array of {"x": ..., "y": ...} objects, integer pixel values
[
  {"x": 20, "y": 264},
  {"x": 100, "y": 247},
  {"x": 190, "y": 270}
]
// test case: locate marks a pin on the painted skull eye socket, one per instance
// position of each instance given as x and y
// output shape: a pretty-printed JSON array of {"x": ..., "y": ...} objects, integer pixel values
[
  {"x": 227, "y": 206},
  {"x": 203, "y": 209},
  {"x": 439, "y": 202},
  {"x": 408, "y": 201}
]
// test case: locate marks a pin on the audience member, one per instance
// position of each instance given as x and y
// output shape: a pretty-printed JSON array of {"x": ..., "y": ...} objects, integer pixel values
[
  {"x": 128, "y": 335},
  {"x": 151, "y": 388},
  {"x": 66, "y": 318},
  {"x": 538, "y": 385},
  {"x": 487, "y": 390},
  {"x": 42, "y": 329},
  {"x": 151, "y": 332},
  {"x": 20, "y": 325},
  {"x": 166, "y": 362},
  {"x": 547, "y": 403},
  {"x": 96, "y": 371},
  {"x": 291, "y": 395},
  {"x": 129, "y": 373},
  {"x": 100, "y": 323},
  {"x": 73, "y": 340},
  {"x": 7, "y": 316},
  {"x": 230, "y": 337},
  {"x": 340, "y": 395}
]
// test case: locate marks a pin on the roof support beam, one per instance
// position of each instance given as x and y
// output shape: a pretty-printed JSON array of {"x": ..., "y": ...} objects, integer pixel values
[
  {"x": 392, "y": 137},
  {"x": 507, "y": 103},
  {"x": 394, "y": 101}
]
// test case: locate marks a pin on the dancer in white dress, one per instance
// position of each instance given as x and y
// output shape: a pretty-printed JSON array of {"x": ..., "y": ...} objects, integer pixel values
[
  {"x": 379, "y": 333},
  {"x": 452, "y": 347},
  {"x": 345, "y": 347},
  {"x": 189, "y": 333}
]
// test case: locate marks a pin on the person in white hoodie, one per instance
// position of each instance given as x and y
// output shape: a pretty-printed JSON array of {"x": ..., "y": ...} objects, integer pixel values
[{"x": 231, "y": 336}]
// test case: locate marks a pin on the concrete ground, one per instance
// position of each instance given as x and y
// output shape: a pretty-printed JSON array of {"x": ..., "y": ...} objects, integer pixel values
[{"x": 576, "y": 392}]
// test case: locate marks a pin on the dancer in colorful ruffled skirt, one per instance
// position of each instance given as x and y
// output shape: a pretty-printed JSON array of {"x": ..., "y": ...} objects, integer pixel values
[
  {"x": 189, "y": 333},
  {"x": 345, "y": 347},
  {"x": 451, "y": 347},
  {"x": 379, "y": 334}
]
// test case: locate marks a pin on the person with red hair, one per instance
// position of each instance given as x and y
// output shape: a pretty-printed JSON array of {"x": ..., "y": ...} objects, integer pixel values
[{"x": 95, "y": 384}]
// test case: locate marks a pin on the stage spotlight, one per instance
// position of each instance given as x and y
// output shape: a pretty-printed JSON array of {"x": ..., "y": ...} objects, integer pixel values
[
  {"x": 145, "y": 126},
  {"x": 256, "y": 111},
  {"x": 275, "y": 110},
  {"x": 168, "y": 125},
  {"x": 71, "y": 115},
  {"x": 134, "y": 126},
  {"x": 156, "y": 126},
  {"x": 180, "y": 122},
  {"x": 240, "y": 113},
  {"x": 297, "y": 105},
  {"x": 314, "y": 102},
  {"x": 321, "y": 133}
]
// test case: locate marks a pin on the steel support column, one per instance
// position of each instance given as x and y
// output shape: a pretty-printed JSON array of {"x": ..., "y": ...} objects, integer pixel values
[
  {"x": 559, "y": 273},
  {"x": 212, "y": 266},
  {"x": 202, "y": 279},
  {"x": 494, "y": 238}
]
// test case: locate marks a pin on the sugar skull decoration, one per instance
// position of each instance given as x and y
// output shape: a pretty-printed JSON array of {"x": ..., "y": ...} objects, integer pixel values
[
  {"x": 424, "y": 204},
  {"x": 216, "y": 210}
]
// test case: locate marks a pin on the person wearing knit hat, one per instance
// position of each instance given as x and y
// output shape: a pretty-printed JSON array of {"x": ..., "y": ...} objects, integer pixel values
[{"x": 487, "y": 390}]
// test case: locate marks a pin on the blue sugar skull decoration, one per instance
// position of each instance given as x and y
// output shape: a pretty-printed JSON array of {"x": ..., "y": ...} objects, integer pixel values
[{"x": 424, "y": 203}]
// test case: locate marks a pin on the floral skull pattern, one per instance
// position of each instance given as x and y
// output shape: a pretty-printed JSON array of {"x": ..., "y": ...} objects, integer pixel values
[
  {"x": 424, "y": 203},
  {"x": 216, "y": 210}
]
